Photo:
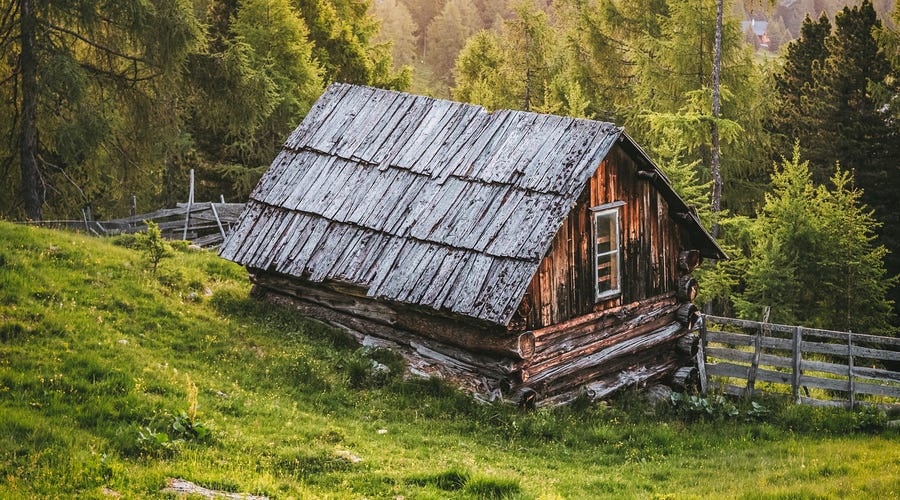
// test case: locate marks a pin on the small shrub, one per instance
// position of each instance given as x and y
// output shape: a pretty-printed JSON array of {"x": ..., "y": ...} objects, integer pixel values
[
  {"x": 869, "y": 419},
  {"x": 693, "y": 407},
  {"x": 180, "y": 245},
  {"x": 153, "y": 245},
  {"x": 128, "y": 240}
]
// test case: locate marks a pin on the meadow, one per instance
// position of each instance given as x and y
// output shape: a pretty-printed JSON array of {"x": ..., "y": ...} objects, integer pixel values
[{"x": 114, "y": 378}]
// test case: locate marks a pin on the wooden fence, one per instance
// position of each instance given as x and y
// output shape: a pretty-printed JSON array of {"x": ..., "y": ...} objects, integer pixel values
[
  {"x": 205, "y": 224},
  {"x": 861, "y": 368}
]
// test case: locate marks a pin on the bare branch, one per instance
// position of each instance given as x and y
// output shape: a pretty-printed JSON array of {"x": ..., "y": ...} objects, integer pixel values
[
  {"x": 66, "y": 175},
  {"x": 95, "y": 44},
  {"x": 118, "y": 76}
]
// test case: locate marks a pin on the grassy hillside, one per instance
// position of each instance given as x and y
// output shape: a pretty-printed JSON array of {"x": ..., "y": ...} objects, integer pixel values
[{"x": 113, "y": 379}]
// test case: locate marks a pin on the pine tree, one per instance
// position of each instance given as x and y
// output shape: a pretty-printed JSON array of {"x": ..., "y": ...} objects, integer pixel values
[
  {"x": 80, "y": 84},
  {"x": 796, "y": 118},
  {"x": 342, "y": 32},
  {"x": 812, "y": 258}
]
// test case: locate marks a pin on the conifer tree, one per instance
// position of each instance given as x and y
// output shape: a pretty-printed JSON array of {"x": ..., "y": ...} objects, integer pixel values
[
  {"x": 447, "y": 34},
  {"x": 794, "y": 84},
  {"x": 852, "y": 126},
  {"x": 812, "y": 256},
  {"x": 343, "y": 32},
  {"x": 397, "y": 28},
  {"x": 81, "y": 81}
]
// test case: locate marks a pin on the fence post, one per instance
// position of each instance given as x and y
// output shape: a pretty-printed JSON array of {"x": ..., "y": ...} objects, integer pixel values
[
  {"x": 212, "y": 206},
  {"x": 797, "y": 357},
  {"x": 187, "y": 215},
  {"x": 850, "y": 368},
  {"x": 701, "y": 357},
  {"x": 754, "y": 363}
]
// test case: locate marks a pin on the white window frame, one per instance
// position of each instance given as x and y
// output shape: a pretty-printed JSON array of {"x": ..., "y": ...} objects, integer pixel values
[{"x": 604, "y": 212}]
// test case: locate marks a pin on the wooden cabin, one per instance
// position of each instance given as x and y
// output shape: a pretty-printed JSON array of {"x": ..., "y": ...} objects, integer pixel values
[{"x": 525, "y": 256}]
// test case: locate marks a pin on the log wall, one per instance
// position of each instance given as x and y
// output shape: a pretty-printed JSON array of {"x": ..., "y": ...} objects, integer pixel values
[
  {"x": 620, "y": 346},
  {"x": 563, "y": 288}
]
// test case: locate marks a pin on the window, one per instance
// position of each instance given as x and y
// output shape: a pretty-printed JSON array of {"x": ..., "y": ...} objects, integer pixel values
[{"x": 606, "y": 250}]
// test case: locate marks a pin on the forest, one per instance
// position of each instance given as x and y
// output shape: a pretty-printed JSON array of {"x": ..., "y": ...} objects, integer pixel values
[{"x": 103, "y": 101}]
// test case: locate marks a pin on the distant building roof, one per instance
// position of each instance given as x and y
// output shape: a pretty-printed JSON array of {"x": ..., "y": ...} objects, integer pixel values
[{"x": 425, "y": 201}]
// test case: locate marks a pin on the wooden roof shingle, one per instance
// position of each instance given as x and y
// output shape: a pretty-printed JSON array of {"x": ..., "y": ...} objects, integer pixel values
[{"x": 419, "y": 200}]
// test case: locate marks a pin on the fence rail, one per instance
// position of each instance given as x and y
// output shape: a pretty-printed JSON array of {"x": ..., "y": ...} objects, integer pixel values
[
  {"x": 837, "y": 363},
  {"x": 205, "y": 224}
]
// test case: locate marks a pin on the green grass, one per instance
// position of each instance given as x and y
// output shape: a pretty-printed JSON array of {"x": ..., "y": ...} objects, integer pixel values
[{"x": 100, "y": 358}]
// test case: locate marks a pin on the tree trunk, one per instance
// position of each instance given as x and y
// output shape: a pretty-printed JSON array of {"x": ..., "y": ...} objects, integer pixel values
[
  {"x": 716, "y": 76},
  {"x": 28, "y": 142}
]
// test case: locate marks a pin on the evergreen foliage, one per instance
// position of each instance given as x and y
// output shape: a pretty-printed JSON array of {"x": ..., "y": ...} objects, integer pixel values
[
  {"x": 812, "y": 256},
  {"x": 446, "y": 35},
  {"x": 840, "y": 93}
]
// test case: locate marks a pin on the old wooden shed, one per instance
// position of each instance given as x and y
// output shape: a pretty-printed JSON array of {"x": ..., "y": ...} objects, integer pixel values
[{"x": 525, "y": 256}]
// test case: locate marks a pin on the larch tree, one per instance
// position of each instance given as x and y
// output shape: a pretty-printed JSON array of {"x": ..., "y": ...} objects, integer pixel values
[
  {"x": 81, "y": 76},
  {"x": 343, "y": 34}
]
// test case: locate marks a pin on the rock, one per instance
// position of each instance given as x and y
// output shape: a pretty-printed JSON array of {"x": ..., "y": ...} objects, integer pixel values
[
  {"x": 350, "y": 457},
  {"x": 658, "y": 393},
  {"x": 182, "y": 487}
]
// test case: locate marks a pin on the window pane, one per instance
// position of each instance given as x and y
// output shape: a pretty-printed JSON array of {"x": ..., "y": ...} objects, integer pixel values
[
  {"x": 606, "y": 233},
  {"x": 606, "y": 248}
]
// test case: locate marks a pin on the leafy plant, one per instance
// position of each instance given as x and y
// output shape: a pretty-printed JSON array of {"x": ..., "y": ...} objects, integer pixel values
[
  {"x": 153, "y": 245},
  {"x": 693, "y": 407}
]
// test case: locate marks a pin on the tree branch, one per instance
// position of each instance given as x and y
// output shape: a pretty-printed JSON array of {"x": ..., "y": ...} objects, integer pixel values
[
  {"x": 95, "y": 44},
  {"x": 119, "y": 76}
]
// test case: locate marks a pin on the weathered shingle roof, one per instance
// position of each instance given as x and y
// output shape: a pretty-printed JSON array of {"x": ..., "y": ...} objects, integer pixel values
[{"x": 420, "y": 200}]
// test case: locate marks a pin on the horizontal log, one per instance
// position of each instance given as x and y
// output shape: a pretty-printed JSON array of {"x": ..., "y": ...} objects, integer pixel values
[
  {"x": 844, "y": 385},
  {"x": 478, "y": 365},
  {"x": 688, "y": 315},
  {"x": 568, "y": 350},
  {"x": 648, "y": 357},
  {"x": 614, "y": 314},
  {"x": 740, "y": 371},
  {"x": 666, "y": 334},
  {"x": 738, "y": 339},
  {"x": 685, "y": 378},
  {"x": 494, "y": 340},
  {"x": 604, "y": 388},
  {"x": 735, "y": 339},
  {"x": 688, "y": 260},
  {"x": 841, "y": 350},
  {"x": 689, "y": 344},
  {"x": 686, "y": 289}
]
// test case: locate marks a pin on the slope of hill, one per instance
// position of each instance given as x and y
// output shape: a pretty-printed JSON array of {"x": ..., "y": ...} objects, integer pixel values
[{"x": 113, "y": 379}]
